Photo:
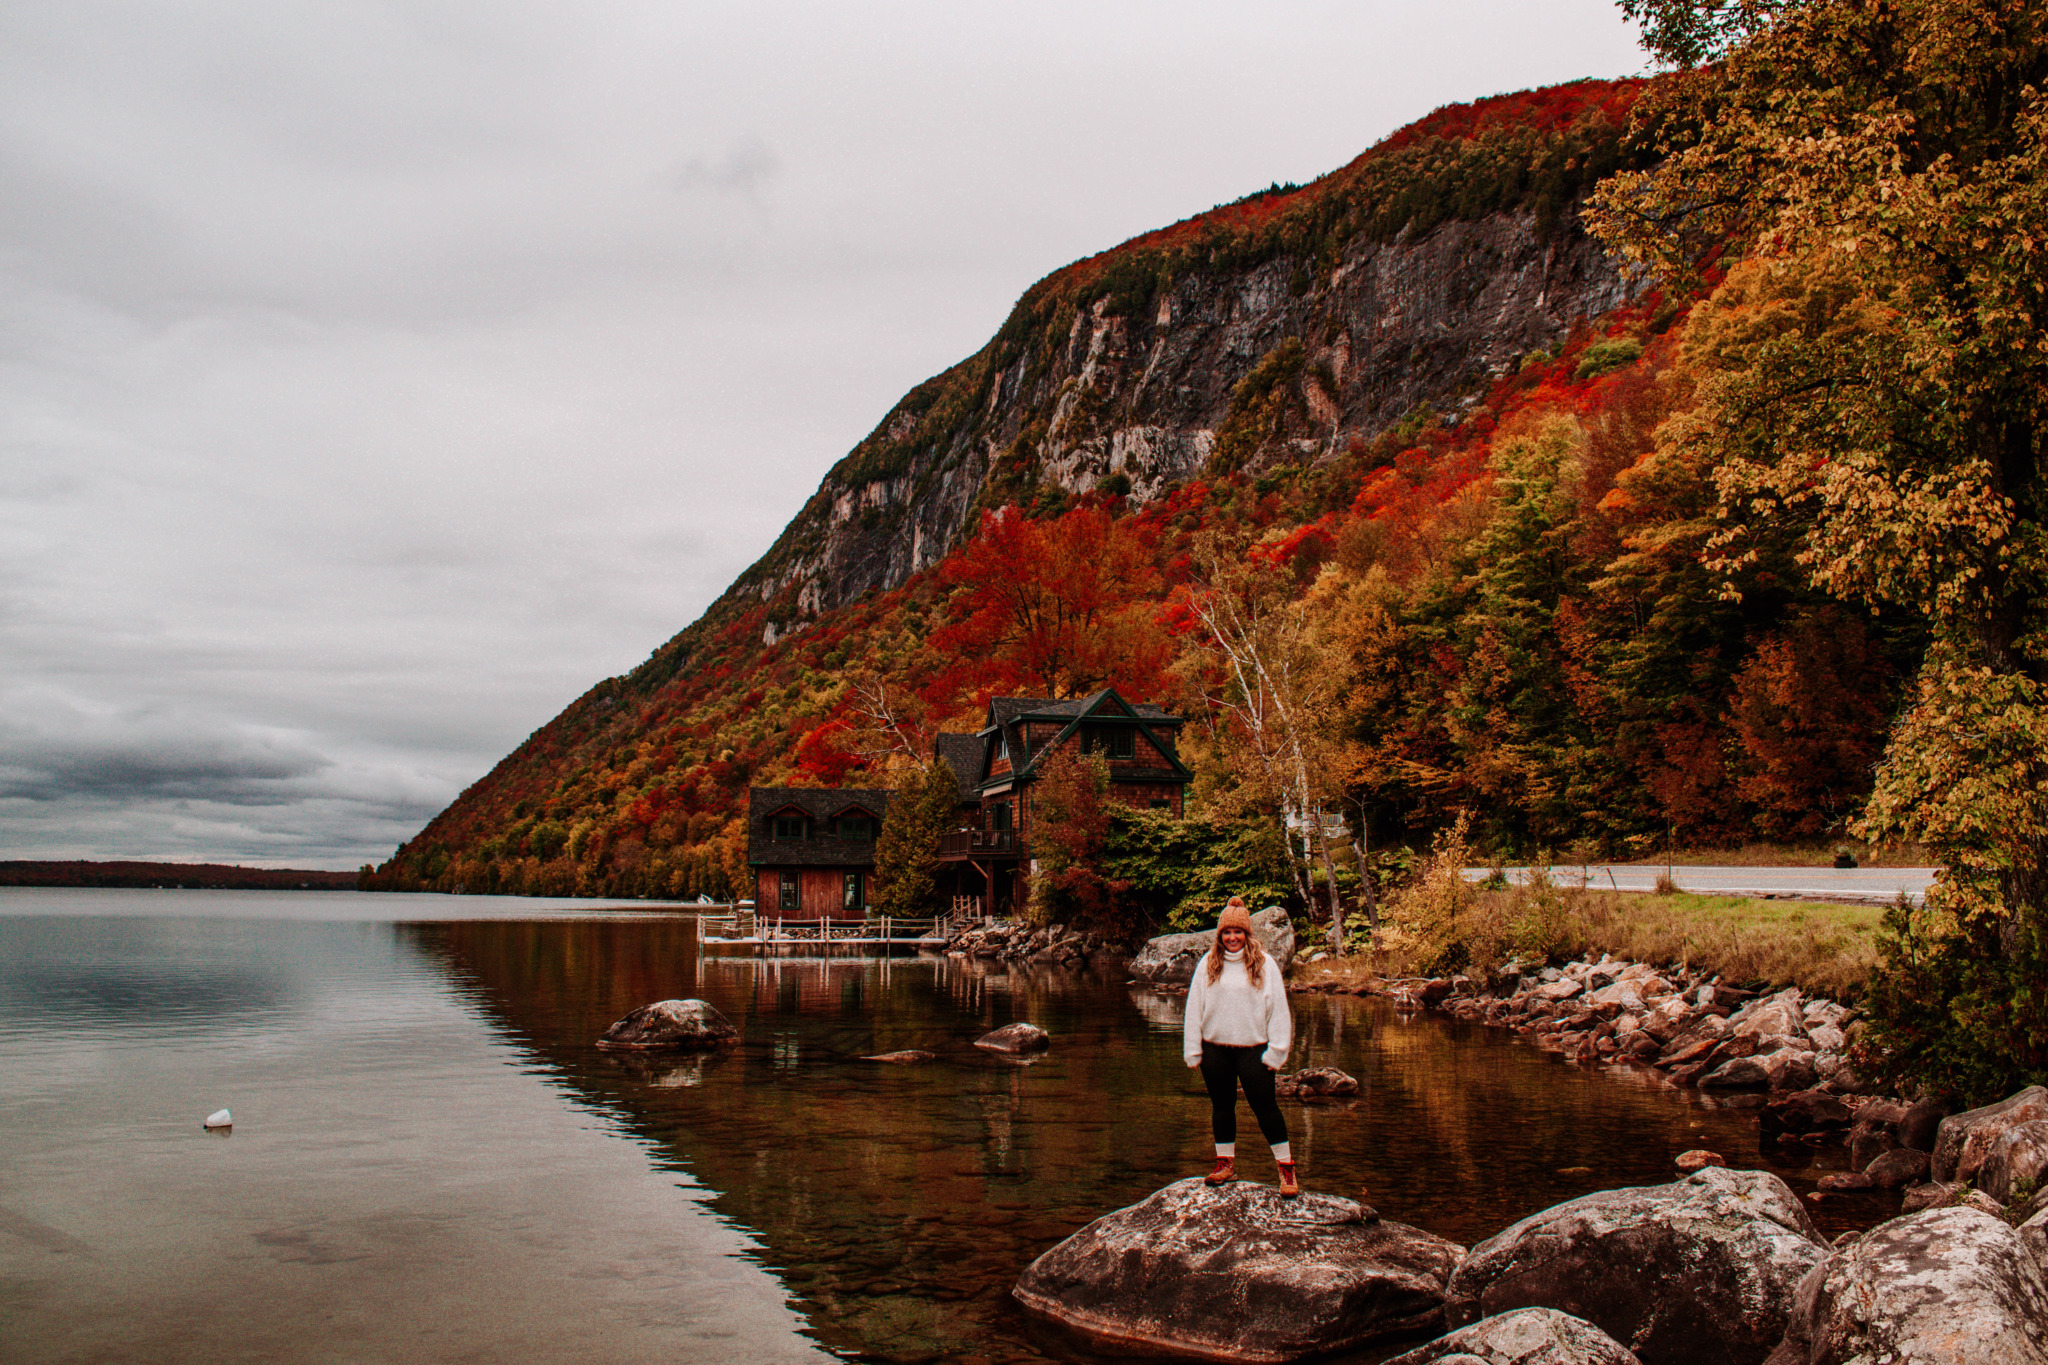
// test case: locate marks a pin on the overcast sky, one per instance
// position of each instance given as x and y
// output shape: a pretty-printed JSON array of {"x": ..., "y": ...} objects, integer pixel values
[{"x": 375, "y": 377}]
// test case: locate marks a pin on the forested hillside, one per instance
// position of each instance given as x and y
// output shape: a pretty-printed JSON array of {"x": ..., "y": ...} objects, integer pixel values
[{"x": 1403, "y": 415}]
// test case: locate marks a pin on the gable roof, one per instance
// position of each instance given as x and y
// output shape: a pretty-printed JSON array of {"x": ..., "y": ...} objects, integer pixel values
[
  {"x": 818, "y": 804},
  {"x": 1073, "y": 714}
]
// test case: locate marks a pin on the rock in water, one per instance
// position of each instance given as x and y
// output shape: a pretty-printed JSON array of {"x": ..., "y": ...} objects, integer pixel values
[
  {"x": 219, "y": 1118},
  {"x": 1169, "y": 960},
  {"x": 1699, "y": 1272},
  {"x": 1317, "y": 1080},
  {"x": 1964, "y": 1140},
  {"x": 1945, "y": 1287},
  {"x": 674, "y": 1025},
  {"x": 1527, "y": 1336},
  {"x": 1234, "y": 1272},
  {"x": 1016, "y": 1038},
  {"x": 908, "y": 1057}
]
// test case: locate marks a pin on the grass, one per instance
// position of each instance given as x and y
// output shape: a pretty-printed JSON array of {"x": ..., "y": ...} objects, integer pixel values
[
  {"x": 1824, "y": 949},
  {"x": 1778, "y": 855}
]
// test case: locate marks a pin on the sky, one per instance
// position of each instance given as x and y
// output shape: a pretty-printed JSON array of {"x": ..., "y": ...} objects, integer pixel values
[{"x": 377, "y": 377}]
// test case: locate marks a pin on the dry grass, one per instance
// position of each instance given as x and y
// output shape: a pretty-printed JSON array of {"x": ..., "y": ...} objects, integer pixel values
[{"x": 1823, "y": 949}]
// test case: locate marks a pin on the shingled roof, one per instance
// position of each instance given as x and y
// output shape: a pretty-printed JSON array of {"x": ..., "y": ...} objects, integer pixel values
[
  {"x": 817, "y": 804},
  {"x": 963, "y": 754},
  {"x": 1105, "y": 706}
]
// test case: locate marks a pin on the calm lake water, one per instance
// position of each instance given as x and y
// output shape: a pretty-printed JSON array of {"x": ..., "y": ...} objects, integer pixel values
[{"x": 431, "y": 1162}]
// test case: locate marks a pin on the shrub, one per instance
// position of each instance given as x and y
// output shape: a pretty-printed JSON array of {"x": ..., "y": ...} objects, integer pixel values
[{"x": 1603, "y": 356}]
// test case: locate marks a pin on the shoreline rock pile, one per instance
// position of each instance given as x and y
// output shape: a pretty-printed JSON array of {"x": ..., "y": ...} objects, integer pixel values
[
  {"x": 1170, "y": 959},
  {"x": 1721, "y": 1268},
  {"x": 1009, "y": 940}
]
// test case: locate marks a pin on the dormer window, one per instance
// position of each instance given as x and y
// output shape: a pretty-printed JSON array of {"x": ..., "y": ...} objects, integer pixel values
[
  {"x": 1002, "y": 745},
  {"x": 1123, "y": 744},
  {"x": 789, "y": 827},
  {"x": 856, "y": 828}
]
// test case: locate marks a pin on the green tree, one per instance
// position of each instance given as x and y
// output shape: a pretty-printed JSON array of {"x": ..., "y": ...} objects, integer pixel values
[
  {"x": 907, "y": 849},
  {"x": 1881, "y": 381}
]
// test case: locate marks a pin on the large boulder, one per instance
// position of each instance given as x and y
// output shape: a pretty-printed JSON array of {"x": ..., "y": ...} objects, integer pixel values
[
  {"x": 1964, "y": 1140},
  {"x": 1234, "y": 1272},
  {"x": 1951, "y": 1286},
  {"x": 670, "y": 1026},
  {"x": 1169, "y": 960},
  {"x": 2017, "y": 1160},
  {"x": 1527, "y": 1336},
  {"x": 1698, "y": 1272}
]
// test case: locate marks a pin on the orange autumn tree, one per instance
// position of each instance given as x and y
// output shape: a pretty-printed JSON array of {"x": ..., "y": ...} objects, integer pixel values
[{"x": 1055, "y": 608}]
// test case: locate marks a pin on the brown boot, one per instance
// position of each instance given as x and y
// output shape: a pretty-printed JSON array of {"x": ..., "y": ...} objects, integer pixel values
[
  {"x": 1225, "y": 1172},
  {"x": 1289, "y": 1186}
]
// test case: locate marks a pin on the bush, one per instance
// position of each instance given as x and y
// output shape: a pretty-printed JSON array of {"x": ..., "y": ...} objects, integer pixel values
[
  {"x": 1178, "y": 873},
  {"x": 1603, "y": 356}
]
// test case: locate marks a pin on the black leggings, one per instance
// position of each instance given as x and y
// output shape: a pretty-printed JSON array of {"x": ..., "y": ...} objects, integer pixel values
[{"x": 1223, "y": 1067}]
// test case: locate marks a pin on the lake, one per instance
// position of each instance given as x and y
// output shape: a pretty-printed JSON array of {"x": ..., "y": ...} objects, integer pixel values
[{"x": 431, "y": 1162}]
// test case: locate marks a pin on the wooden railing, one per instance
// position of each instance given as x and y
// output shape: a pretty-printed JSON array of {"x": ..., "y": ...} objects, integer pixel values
[{"x": 967, "y": 843}]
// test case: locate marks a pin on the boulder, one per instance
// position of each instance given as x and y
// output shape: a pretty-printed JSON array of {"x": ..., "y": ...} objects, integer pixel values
[
  {"x": 1875, "y": 1132},
  {"x": 1737, "y": 1241},
  {"x": 1015, "y": 1039},
  {"x": 1527, "y": 1336},
  {"x": 1933, "y": 1195},
  {"x": 1945, "y": 1287},
  {"x": 670, "y": 1026},
  {"x": 1169, "y": 960},
  {"x": 1895, "y": 1168},
  {"x": 1698, "y": 1159},
  {"x": 1779, "y": 1016},
  {"x": 908, "y": 1057},
  {"x": 2019, "y": 1159},
  {"x": 2034, "y": 1235},
  {"x": 1234, "y": 1272},
  {"x": 1921, "y": 1124},
  {"x": 1738, "y": 1073},
  {"x": 1316, "y": 1080},
  {"x": 1964, "y": 1140}
]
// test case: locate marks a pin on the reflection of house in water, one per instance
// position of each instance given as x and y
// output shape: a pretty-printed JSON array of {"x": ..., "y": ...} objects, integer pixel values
[{"x": 808, "y": 865}]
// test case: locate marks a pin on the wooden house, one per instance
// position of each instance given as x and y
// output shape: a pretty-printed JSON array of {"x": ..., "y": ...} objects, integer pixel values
[
  {"x": 998, "y": 765},
  {"x": 812, "y": 850}
]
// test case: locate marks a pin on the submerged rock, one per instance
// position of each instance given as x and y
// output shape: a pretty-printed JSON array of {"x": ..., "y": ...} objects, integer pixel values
[
  {"x": 1945, "y": 1287},
  {"x": 1234, "y": 1272},
  {"x": 908, "y": 1057},
  {"x": 1964, "y": 1140},
  {"x": 1316, "y": 1080},
  {"x": 1895, "y": 1168},
  {"x": 1170, "y": 959},
  {"x": 1015, "y": 1038},
  {"x": 678, "y": 1025},
  {"x": 1527, "y": 1336},
  {"x": 1699, "y": 1272}
]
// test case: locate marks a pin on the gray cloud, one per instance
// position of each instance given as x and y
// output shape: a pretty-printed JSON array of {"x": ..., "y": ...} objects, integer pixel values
[{"x": 374, "y": 377}]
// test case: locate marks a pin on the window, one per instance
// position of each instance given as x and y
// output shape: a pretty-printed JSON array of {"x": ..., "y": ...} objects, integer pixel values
[
  {"x": 853, "y": 891},
  {"x": 1002, "y": 745},
  {"x": 999, "y": 816},
  {"x": 856, "y": 828},
  {"x": 1123, "y": 744},
  {"x": 789, "y": 827},
  {"x": 786, "y": 901},
  {"x": 1161, "y": 803}
]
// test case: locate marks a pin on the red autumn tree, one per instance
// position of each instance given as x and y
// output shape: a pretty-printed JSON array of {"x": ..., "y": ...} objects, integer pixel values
[{"x": 1055, "y": 608}]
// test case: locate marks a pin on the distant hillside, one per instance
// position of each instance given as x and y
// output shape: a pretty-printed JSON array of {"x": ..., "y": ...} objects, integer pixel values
[
  {"x": 179, "y": 876},
  {"x": 1338, "y": 370}
]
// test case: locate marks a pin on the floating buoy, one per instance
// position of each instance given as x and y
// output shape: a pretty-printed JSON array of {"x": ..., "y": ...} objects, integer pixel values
[{"x": 219, "y": 1118}]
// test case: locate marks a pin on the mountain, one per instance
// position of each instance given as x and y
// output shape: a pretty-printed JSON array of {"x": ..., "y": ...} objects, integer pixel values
[{"x": 1318, "y": 356}]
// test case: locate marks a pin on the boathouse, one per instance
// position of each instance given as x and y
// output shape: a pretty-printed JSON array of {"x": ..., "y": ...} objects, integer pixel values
[{"x": 813, "y": 850}]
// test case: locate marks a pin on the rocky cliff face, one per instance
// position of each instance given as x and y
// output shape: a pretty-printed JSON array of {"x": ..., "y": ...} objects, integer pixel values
[{"x": 1389, "y": 327}]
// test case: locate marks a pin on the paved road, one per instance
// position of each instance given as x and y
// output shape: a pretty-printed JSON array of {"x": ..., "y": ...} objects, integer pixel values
[{"x": 1868, "y": 885}]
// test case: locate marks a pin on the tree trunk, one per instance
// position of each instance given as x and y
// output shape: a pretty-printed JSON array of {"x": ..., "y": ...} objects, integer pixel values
[{"x": 1330, "y": 872}]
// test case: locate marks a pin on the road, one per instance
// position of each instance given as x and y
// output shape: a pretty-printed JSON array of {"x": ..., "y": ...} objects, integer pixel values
[{"x": 1861, "y": 885}]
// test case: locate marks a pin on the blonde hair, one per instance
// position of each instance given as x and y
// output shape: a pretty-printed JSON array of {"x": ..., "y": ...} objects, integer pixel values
[{"x": 1254, "y": 955}]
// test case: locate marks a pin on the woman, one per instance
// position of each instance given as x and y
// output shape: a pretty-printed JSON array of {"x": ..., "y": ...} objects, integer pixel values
[{"x": 1238, "y": 1030}]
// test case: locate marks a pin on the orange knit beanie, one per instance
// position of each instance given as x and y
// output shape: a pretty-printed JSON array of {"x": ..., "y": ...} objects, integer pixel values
[{"x": 1235, "y": 916}]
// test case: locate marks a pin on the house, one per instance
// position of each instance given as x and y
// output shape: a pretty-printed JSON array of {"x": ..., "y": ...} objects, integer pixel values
[
  {"x": 997, "y": 766},
  {"x": 812, "y": 850}
]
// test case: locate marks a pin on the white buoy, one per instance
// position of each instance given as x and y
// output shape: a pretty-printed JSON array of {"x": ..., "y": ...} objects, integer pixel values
[{"x": 219, "y": 1118}]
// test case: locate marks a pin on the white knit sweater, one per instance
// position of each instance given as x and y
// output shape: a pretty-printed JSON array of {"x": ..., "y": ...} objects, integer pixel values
[{"x": 1237, "y": 1013}]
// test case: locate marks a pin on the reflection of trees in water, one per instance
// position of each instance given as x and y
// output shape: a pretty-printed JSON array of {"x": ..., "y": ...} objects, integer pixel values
[{"x": 899, "y": 1203}]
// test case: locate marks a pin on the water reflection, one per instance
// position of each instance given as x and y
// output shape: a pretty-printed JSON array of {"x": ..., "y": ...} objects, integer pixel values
[{"x": 899, "y": 1203}]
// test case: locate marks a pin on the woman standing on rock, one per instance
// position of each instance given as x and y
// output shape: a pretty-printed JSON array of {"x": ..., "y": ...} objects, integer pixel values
[{"x": 1238, "y": 1030}]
